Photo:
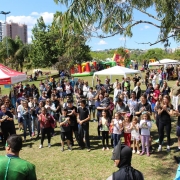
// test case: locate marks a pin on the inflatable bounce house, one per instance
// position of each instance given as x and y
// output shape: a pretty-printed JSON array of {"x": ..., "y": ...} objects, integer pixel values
[
  {"x": 84, "y": 69},
  {"x": 105, "y": 65},
  {"x": 119, "y": 59},
  {"x": 88, "y": 68}
]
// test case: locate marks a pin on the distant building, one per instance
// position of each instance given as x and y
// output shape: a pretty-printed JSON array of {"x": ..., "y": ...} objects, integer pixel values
[
  {"x": 1, "y": 33},
  {"x": 14, "y": 29}
]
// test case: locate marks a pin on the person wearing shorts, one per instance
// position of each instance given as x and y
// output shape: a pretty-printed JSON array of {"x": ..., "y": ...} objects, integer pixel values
[{"x": 64, "y": 122}]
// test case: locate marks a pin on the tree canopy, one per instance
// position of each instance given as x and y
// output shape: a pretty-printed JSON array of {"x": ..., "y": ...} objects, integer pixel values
[
  {"x": 50, "y": 45},
  {"x": 117, "y": 17},
  {"x": 13, "y": 52}
]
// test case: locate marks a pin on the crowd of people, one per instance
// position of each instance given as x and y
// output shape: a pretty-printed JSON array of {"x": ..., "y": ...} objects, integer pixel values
[{"x": 72, "y": 104}]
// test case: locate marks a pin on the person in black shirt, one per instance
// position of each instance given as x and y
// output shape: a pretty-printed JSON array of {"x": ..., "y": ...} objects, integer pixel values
[
  {"x": 7, "y": 123},
  {"x": 72, "y": 113},
  {"x": 83, "y": 120},
  {"x": 57, "y": 106},
  {"x": 143, "y": 106},
  {"x": 165, "y": 111},
  {"x": 177, "y": 113},
  {"x": 49, "y": 90}
]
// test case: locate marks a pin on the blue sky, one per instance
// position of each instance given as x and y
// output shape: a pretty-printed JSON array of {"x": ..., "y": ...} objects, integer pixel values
[{"x": 27, "y": 11}]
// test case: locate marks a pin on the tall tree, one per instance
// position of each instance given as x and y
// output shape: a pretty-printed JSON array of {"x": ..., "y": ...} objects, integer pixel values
[
  {"x": 51, "y": 45},
  {"x": 45, "y": 45},
  {"x": 13, "y": 52},
  {"x": 117, "y": 17}
]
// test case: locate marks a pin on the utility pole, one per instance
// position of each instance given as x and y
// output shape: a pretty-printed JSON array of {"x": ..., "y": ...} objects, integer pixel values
[{"x": 5, "y": 13}]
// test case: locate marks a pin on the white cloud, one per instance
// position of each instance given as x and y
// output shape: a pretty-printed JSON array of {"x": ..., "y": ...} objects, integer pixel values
[
  {"x": 34, "y": 14},
  {"x": 30, "y": 20},
  {"x": 146, "y": 27},
  {"x": 122, "y": 38},
  {"x": 48, "y": 17},
  {"x": 102, "y": 42}
]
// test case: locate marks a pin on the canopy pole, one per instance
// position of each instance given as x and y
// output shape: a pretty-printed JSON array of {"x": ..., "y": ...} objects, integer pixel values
[{"x": 93, "y": 80}]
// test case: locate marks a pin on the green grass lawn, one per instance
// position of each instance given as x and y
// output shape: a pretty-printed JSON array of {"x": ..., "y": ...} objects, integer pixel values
[{"x": 52, "y": 164}]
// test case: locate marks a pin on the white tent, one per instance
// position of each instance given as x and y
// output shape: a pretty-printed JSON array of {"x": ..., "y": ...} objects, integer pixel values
[
  {"x": 116, "y": 70},
  {"x": 164, "y": 61}
]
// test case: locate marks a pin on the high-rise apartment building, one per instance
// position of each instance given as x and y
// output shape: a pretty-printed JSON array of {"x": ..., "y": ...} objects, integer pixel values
[
  {"x": 14, "y": 29},
  {"x": 1, "y": 33}
]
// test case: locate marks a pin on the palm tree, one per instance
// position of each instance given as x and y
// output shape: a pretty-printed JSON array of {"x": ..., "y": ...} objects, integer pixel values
[{"x": 17, "y": 52}]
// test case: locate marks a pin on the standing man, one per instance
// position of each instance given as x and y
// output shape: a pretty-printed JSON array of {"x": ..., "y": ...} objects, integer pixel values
[
  {"x": 83, "y": 120},
  {"x": 98, "y": 86},
  {"x": 72, "y": 114},
  {"x": 11, "y": 166},
  {"x": 7, "y": 122}
]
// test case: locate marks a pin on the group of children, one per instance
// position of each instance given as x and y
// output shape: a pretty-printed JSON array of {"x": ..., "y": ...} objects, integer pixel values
[{"x": 133, "y": 131}]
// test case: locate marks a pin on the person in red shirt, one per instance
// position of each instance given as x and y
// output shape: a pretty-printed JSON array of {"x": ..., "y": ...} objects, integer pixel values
[
  {"x": 154, "y": 98},
  {"x": 45, "y": 123}
]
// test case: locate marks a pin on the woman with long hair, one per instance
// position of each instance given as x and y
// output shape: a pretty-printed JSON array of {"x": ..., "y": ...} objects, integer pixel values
[
  {"x": 51, "y": 109},
  {"x": 104, "y": 123},
  {"x": 158, "y": 103},
  {"x": 45, "y": 123},
  {"x": 38, "y": 112},
  {"x": 165, "y": 111}
]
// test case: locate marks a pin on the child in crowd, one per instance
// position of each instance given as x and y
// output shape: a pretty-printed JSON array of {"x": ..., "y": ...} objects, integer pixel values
[
  {"x": 145, "y": 125},
  {"x": 64, "y": 122},
  {"x": 135, "y": 136},
  {"x": 117, "y": 128},
  {"x": 104, "y": 128},
  {"x": 127, "y": 130}
]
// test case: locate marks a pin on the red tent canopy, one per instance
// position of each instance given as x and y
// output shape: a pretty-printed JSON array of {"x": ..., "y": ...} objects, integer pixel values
[{"x": 10, "y": 76}]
